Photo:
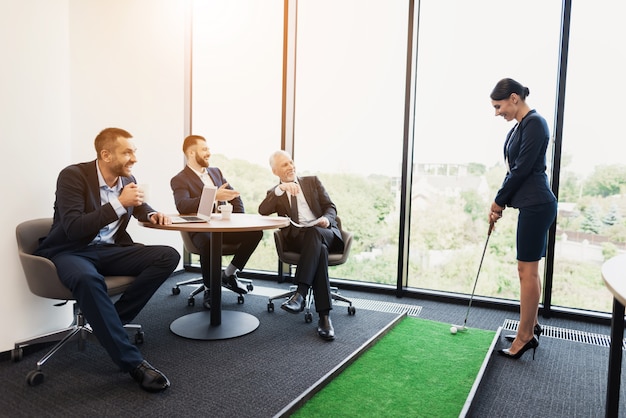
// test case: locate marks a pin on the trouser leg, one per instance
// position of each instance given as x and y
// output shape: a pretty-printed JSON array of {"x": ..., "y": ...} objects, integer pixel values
[
  {"x": 151, "y": 264},
  {"x": 247, "y": 241},
  {"x": 321, "y": 283},
  {"x": 312, "y": 268},
  {"x": 89, "y": 290}
]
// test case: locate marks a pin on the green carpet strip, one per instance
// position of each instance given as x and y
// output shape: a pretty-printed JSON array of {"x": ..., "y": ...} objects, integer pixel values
[{"x": 418, "y": 369}]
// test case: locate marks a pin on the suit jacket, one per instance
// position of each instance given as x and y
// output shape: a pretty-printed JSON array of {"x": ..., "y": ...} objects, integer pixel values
[
  {"x": 187, "y": 188},
  {"x": 316, "y": 197},
  {"x": 526, "y": 183},
  {"x": 79, "y": 214}
]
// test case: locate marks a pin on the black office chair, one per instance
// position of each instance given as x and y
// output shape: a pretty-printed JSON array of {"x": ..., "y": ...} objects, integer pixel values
[
  {"x": 227, "y": 249},
  {"x": 41, "y": 276},
  {"x": 292, "y": 258}
]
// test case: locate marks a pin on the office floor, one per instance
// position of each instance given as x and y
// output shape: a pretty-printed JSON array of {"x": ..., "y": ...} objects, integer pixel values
[{"x": 258, "y": 374}]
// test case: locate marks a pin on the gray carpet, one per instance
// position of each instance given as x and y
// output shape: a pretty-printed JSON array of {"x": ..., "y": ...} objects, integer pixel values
[
  {"x": 567, "y": 379},
  {"x": 258, "y": 374},
  {"x": 255, "y": 375}
]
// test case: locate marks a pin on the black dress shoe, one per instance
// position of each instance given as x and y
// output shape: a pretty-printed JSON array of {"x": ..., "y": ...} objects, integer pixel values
[
  {"x": 149, "y": 378},
  {"x": 325, "y": 328},
  {"x": 232, "y": 283},
  {"x": 206, "y": 300},
  {"x": 295, "y": 304}
]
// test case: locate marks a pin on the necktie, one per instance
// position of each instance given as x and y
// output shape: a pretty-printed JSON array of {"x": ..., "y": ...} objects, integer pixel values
[
  {"x": 294, "y": 215},
  {"x": 294, "y": 208}
]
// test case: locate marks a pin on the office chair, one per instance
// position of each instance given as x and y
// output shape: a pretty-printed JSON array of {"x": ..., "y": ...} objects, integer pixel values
[
  {"x": 42, "y": 279},
  {"x": 227, "y": 249},
  {"x": 291, "y": 259}
]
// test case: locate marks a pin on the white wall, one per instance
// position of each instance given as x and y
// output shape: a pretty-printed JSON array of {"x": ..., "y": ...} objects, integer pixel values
[{"x": 71, "y": 68}]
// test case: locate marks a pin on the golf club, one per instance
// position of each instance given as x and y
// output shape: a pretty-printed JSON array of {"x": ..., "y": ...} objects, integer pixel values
[{"x": 463, "y": 328}]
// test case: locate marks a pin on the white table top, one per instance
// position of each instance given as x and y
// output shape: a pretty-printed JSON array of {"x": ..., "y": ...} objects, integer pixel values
[
  {"x": 238, "y": 222},
  {"x": 614, "y": 275}
]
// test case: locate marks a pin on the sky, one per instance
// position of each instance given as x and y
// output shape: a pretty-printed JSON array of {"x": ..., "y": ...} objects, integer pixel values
[{"x": 350, "y": 79}]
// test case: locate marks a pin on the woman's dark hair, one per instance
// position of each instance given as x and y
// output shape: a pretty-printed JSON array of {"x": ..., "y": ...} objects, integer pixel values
[{"x": 506, "y": 87}]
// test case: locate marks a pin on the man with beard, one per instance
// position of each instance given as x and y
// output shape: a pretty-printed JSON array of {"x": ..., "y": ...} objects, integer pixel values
[
  {"x": 187, "y": 186},
  {"x": 88, "y": 240}
]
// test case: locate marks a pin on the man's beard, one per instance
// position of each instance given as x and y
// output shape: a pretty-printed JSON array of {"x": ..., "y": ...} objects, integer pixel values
[
  {"x": 121, "y": 169},
  {"x": 202, "y": 162}
]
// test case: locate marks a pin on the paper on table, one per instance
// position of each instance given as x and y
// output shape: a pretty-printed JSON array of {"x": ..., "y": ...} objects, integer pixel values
[{"x": 305, "y": 224}]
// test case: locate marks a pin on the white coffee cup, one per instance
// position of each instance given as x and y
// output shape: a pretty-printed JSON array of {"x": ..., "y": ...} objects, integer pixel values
[
  {"x": 145, "y": 188},
  {"x": 225, "y": 210}
]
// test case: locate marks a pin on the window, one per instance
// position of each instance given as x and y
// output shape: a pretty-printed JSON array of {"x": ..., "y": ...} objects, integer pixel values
[
  {"x": 458, "y": 165},
  {"x": 591, "y": 226},
  {"x": 236, "y": 96},
  {"x": 349, "y": 110},
  {"x": 350, "y": 63}
]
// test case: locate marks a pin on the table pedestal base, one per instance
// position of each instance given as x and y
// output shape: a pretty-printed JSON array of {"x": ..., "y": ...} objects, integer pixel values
[{"x": 197, "y": 326}]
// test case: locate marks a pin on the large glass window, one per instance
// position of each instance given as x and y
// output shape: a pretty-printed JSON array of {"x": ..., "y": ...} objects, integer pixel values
[
  {"x": 591, "y": 226},
  {"x": 349, "y": 113},
  {"x": 464, "y": 49},
  {"x": 236, "y": 96},
  {"x": 349, "y": 97}
]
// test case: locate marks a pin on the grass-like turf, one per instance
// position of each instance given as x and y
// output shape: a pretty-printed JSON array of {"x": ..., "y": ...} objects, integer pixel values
[{"x": 418, "y": 369}]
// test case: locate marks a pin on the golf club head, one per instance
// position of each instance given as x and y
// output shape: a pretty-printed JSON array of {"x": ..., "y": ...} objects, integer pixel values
[{"x": 460, "y": 328}]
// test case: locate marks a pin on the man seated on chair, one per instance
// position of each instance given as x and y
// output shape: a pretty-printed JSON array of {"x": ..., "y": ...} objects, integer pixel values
[
  {"x": 305, "y": 200},
  {"x": 88, "y": 240},
  {"x": 187, "y": 187}
]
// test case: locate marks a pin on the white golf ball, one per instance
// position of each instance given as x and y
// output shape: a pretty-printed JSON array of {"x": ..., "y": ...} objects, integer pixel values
[{"x": 453, "y": 330}]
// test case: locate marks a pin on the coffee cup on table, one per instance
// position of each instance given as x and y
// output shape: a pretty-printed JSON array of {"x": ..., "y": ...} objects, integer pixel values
[{"x": 225, "y": 210}]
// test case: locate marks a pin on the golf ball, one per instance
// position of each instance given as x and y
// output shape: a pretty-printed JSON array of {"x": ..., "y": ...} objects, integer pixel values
[{"x": 453, "y": 330}]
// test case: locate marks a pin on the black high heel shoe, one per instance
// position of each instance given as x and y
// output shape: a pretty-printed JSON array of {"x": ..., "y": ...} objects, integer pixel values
[
  {"x": 533, "y": 343},
  {"x": 537, "y": 330}
]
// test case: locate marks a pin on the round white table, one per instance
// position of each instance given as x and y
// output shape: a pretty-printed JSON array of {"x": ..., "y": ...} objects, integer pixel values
[
  {"x": 614, "y": 275},
  {"x": 217, "y": 324}
]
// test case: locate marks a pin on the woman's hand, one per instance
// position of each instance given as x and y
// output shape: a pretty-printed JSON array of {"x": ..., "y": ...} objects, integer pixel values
[{"x": 495, "y": 213}]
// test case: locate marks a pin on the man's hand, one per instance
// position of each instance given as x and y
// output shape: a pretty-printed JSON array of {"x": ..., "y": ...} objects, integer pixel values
[
  {"x": 291, "y": 188},
  {"x": 160, "y": 219},
  {"x": 323, "y": 222},
  {"x": 225, "y": 195},
  {"x": 131, "y": 195}
]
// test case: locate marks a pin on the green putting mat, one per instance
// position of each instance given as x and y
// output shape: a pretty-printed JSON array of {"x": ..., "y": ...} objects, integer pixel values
[{"x": 418, "y": 369}]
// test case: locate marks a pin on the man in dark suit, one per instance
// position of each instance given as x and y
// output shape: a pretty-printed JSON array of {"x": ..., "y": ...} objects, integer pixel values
[
  {"x": 187, "y": 186},
  {"x": 306, "y": 202},
  {"x": 88, "y": 240}
]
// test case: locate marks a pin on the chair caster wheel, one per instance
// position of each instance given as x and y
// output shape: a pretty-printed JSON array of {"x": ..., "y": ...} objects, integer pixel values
[
  {"x": 34, "y": 378},
  {"x": 240, "y": 299},
  {"x": 17, "y": 354},
  {"x": 351, "y": 310},
  {"x": 191, "y": 302},
  {"x": 270, "y": 307},
  {"x": 250, "y": 287},
  {"x": 175, "y": 290},
  {"x": 308, "y": 317},
  {"x": 139, "y": 338}
]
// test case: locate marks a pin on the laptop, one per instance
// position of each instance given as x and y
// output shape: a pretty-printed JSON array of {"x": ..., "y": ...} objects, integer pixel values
[{"x": 207, "y": 199}]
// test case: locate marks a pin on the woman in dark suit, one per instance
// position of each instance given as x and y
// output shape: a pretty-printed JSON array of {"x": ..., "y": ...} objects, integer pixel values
[{"x": 525, "y": 187}]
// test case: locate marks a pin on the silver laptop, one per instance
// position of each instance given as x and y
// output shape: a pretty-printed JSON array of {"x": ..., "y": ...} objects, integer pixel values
[{"x": 207, "y": 199}]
